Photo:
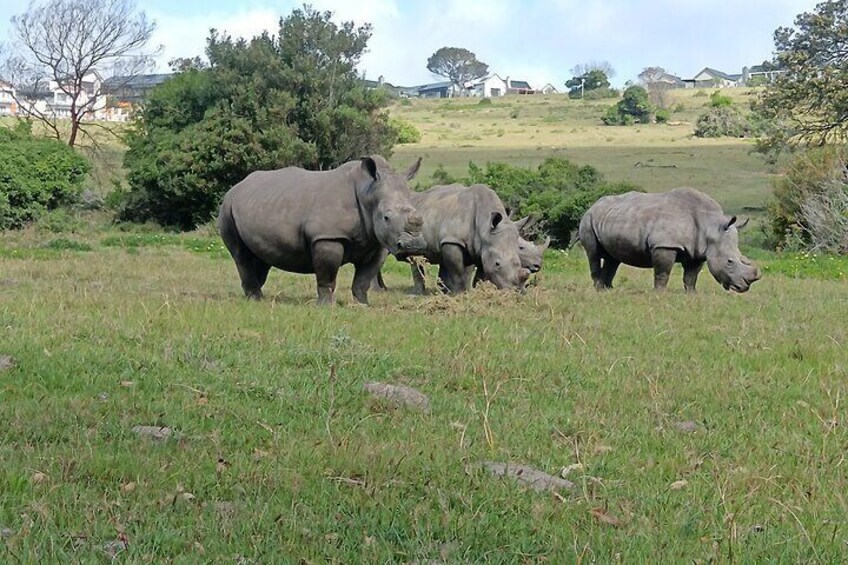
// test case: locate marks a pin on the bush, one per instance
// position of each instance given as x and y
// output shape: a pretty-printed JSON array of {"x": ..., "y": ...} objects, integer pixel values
[
  {"x": 722, "y": 121},
  {"x": 485, "y": 102},
  {"x": 662, "y": 116},
  {"x": 809, "y": 208},
  {"x": 558, "y": 191},
  {"x": 601, "y": 94},
  {"x": 633, "y": 107},
  {"x": 36, "y": 175},
  {"x": 719, "y": 100},
  {"x": 406, "y": 132},
  {"x": 274, "y": 101}
]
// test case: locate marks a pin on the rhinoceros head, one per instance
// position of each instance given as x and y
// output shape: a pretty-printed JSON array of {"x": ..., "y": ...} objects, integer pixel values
[
  {"x": 396, "y": 223},
  {"x": 530, "y": 254},
  {"x": 726, "y": 263},
  {"x": 501, "y": 264}
]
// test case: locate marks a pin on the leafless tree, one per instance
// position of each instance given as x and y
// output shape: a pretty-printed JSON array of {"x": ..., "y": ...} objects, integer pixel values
[
  {"x": 585, "y": 68},
  {"x": 59, "y": 44},
  {"x": 657, "y": 82}
]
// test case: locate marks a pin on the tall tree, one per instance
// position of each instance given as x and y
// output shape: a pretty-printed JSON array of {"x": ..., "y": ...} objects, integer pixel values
[
  {"x": 60, "y": 43},
  {"x": 457, "y": 65},
  {"x": 594, "y": 79},
  {"x": 585, "y": 68},
  {"x": 809, "y": 99},
  {"x": 656, "y": 81},
  {"x": 263, "y": 103}
]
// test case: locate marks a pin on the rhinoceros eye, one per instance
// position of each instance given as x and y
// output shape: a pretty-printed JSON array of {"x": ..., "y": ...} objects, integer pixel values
[{"x": 387, "y": 219}]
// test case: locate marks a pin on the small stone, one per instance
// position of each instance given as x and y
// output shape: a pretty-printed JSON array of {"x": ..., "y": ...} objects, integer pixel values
[
  {"x": 533, "y": 478},
  {"x": 38, "y": 478},
  {"x": 128, "y": 487},
  {"x": 687, "y": 426},
  {"x": 678, "y": 485},
  {"x": 6, "y": 362},
  {"x": 399, "y": 395},
  {"x": 6, "y": 533},
  {"x": 103, "y": 396},
  {"x": 114, "y": 547},
  {"x": 155, "y": 433}
]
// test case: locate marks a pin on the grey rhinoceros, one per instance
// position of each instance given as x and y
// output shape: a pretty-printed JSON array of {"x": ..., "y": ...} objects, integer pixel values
[
  {"x": 315, "y": 221},
  {"x": 530, "y": 256},
  {"x": 657, "y": 230},
  {"x": 467, "y": 227}
]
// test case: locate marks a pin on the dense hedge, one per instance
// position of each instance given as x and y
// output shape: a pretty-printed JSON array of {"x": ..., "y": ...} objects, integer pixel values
[
  {"x": 557, "y": 192},
  {"x": 36, "y": 174}
]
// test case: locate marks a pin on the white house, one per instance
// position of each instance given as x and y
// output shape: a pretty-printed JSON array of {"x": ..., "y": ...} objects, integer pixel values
[
  {"x": 712, "y": 78},
  {"x": 493, "y": 85},
  {"x": 549, "y": 89},
  {"x": 8, "y": 106}
]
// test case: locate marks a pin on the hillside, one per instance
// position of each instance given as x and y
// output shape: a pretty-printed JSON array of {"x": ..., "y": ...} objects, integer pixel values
[{"x": 524, "y": 130}]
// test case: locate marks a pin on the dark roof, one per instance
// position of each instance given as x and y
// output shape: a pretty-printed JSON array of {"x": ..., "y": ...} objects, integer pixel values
[
  {"x": 521, "y": 84},
  {"x": 434, "y": 86},
  {"x": 717, "y": 73},
  {"x": 138, "y": 81}
]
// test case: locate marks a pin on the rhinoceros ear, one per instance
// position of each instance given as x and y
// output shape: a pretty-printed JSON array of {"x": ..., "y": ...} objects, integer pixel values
[
  {"x": 497, "y": 218},
  {"x": 413, "y": 170},
  {"x": 370, "y": 167},
  {"x": 730, "y": 223},
  {"x": 742, "y": 224},
  {"x": 524, "y": 223}
]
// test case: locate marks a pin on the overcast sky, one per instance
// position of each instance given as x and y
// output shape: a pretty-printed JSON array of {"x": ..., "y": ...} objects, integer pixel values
[{"x": 534, "y": 40}]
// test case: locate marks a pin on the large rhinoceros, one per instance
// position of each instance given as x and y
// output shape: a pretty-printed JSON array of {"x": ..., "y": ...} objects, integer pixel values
[
  {"x": 314, "y": 222},
  {"x": 657, "y": 230},
  {"x": 467, "y": 227}
]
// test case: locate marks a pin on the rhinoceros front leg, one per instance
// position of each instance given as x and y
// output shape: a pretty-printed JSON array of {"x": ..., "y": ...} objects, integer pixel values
[
  {"x": 366, "y": 272},
  {"x": 416, "y": 269},
  {"x": 327, "y": 257},
  {"x": 663, "y": 261},
  {"x": 690, "y": 274},
  {"x": 452, "y": 268}
]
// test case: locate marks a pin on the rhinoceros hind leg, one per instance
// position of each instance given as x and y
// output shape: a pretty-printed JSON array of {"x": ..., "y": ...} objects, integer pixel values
[
  {"x": 690, "y": 274},
  {"x": 378, "y": 284},
  {"x": 327, "y": 257},
  {"x": 663, "y": 261},
  {"x": 608, "y": 270},
  {"x": 593, "y": 255}
]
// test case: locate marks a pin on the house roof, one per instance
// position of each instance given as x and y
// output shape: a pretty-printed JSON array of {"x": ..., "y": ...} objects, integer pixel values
[
  {"x": 521, "y": 84},
  {"x": 550, "y": 86},
  {"x": 138, "y": 81},
  {"x": 434, "y": 86}
]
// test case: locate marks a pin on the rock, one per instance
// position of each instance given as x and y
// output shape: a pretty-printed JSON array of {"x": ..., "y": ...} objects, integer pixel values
[
  {"x": 114, "y": 547},
  {"x": 103, "y": 396},
  {"x": 38, "y": 477},
  {"x": 688, "y": 426},
  {"x": 533, "y": 478},
  {"x": 399, "y": 395},
  {"x": 6, "y": 533},
  {"x": 155, "y": 433},
  {"x": 6, "y": 362}
]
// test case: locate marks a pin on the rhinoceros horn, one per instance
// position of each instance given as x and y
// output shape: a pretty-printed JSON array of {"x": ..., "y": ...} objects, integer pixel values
[{"x": 544, "y": 246}]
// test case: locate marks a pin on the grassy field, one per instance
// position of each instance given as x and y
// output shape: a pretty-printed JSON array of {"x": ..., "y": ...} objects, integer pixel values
[
  {"x": 526, "y": 130},
  {"x": 696, "y": 428},
  {"x": 706, "y": 428}
]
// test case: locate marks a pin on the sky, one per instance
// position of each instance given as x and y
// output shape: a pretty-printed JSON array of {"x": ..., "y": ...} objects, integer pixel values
[{"x": 534, "y": 40}]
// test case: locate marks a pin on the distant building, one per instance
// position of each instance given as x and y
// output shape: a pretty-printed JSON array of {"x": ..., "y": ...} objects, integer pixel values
[
  {"x": 437, "y": 90},
  {"x": 549, "y": 89},
  {"x": 493, "y": 86},
  {"x": 132, "y": 90},
  {"x": 8, "y": 106},
  {"x": 712, "y": 78}
]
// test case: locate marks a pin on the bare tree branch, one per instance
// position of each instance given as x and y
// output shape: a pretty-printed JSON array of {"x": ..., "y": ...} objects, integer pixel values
[{"x": 64, "y": 42}]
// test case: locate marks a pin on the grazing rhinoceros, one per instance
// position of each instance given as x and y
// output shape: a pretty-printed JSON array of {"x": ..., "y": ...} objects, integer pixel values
[
  {"x": 314, "y": 222},
  {"x": 529, "y": 254},
  {"x": 657, "y": 230},
  {"x": 466, "y": 227}
]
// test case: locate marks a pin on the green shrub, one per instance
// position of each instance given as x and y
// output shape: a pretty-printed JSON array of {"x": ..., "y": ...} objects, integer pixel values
[
  {"x": 485, "y": 102},
  {"x": 701, "y": 94},
  {"x": 679, "y": 107},
  {"x": 59, "y": 221},
  {"x": 406, "y": 132},
  {"x": 405, "y": 102},
  {"x": 719, "y": 100},
  {"x": 724, "y": 121},
  {"x": 601, "y": 94},
  {"x": 809, "y": 207},
  {"x": 291, "y": 99},
  {"x": 65, "y": 244},
  {"x": 662, "y": 116},
  {"x": 36, "y": 175},
  {"x": 634, "y": 107},
  {"x": 558, "y": 191}
]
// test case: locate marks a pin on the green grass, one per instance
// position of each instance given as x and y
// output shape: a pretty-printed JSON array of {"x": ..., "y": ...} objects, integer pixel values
[{"x": 285, "y": 458}]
